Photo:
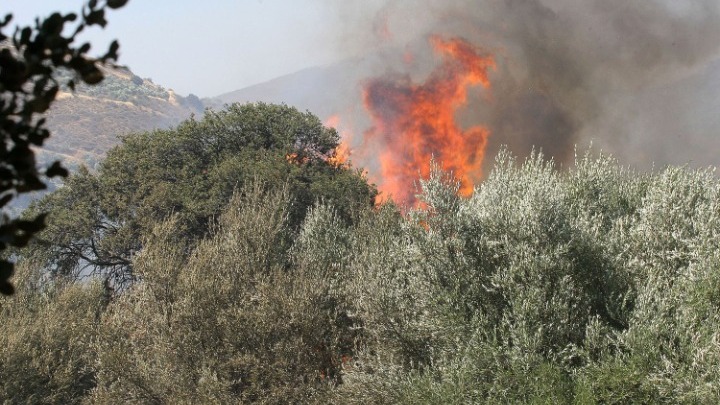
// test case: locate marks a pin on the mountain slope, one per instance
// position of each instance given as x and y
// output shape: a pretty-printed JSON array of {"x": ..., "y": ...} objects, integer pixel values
[{"x": 86, "y": 123}]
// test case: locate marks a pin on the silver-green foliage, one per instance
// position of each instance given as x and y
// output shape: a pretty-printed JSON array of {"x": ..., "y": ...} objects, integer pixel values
[{"x": 594, "y": 284}]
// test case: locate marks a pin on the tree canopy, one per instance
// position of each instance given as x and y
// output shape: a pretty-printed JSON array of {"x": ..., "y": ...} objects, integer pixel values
[{"x": 98, "y": 221}]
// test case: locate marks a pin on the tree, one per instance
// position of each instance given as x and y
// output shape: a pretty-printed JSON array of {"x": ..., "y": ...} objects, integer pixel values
[
  {"x": 29, "y": 61},
  {"x": 100, "y": 220}
]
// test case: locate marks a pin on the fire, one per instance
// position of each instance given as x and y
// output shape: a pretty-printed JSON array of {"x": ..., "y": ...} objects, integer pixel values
[
  {"x": 341, "y": 154},
  {"x": 294, "y": 158},
  {"x": 341, "y": 157},
  {"x": 412, "y": 123}
]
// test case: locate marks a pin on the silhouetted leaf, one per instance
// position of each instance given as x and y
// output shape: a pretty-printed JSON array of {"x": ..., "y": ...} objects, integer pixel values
[
  {"x": 30, "y": 183},
  {"x": 6, "y": 269},
  {"x": 25, "y": 35},
  {"x": 6, "y": 288},
  {"x": 5, "y": 199},
  {"x": 116, "y": 3},
  {"x": 112, "y": 51},
  {"x": 6, "y": 21},
  {"x": 32, "y": 226},
  {"x": 96, "y": 17},
  {"x": 56, "y": 169},
  {"x": 91, "y": 74},
  {"x": 53, "y": 25}
]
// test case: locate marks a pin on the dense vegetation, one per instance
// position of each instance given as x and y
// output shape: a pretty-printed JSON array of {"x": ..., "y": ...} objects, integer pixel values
[
  {"x": 134, "y": 90},
  {"x": 100, "y": 219},
  {"x": 262, "y": 278}
]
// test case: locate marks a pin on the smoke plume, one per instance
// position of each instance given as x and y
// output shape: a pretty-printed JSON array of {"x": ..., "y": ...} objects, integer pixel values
[{"x": 637, "y": 78}]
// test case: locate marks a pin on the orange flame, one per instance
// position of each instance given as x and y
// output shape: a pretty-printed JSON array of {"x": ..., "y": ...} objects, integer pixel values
[
  {"x": 294, "y": 158},
  {"x": 414, "y": 122},
  {"x": 341, "y": 154}
]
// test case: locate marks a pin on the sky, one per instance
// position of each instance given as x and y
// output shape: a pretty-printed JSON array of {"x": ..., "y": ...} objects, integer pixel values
[{"x": 207, "y": 47}]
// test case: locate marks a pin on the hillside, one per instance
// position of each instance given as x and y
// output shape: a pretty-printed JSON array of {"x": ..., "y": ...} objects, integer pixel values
[{"x": 86, "y": 123}]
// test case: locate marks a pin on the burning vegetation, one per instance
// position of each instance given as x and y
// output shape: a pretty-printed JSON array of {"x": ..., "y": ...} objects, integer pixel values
[{"x": 413, "y": 123}]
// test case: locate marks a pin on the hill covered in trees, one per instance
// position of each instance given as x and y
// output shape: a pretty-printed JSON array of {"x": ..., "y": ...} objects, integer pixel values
[{"x": 236, "y": 263}]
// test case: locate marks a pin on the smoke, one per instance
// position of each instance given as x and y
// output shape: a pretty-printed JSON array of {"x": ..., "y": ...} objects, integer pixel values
[{"x": 638, "y": 78}]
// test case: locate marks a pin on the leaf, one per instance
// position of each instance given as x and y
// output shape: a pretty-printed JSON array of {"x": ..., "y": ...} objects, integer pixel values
[
  {"x": 38, "y": 136},
  {"x": 96, "y": 17},
  {"x": 25, "y": 35},
  {"x": 84, "y": 48},
  {"x": 6, "y": 21},
  {"x": 6, "y": 288},
  {"x": 115, "y": 4},
  {"x": 90, "y": 74},
  {"x": 32, "y": 226},
  {"x": 112, "y": 51},
  {"x": 56, "y": 169},
  {"x": 53, "y": 25},
  {"x": 5, "y": 199},
  {"x": 6, "y": 269},
  {"x": 30, "y": 183}
]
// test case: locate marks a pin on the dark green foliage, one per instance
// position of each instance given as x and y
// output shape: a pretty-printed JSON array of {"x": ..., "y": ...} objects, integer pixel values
[
  {"x": 194, "y": 102},
  {"x": 29, "y": 60},
  {"x": 137, "y": 80},
  {"x": 99, "y": 220},
  {"x": 121, "y": 89}
]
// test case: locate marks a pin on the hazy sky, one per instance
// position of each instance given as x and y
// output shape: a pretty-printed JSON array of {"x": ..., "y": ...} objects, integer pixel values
[{"x": 207, "y": 47}]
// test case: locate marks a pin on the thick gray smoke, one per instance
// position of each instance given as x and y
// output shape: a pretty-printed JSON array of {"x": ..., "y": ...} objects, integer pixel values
[{"x": 638, "y": 78}]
